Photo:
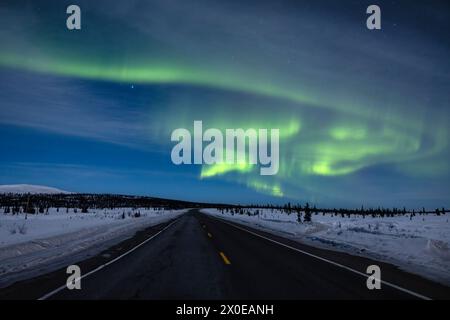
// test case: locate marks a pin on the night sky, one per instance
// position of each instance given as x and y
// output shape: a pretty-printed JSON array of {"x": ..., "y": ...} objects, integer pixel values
[{"x": 363, "y": 115}]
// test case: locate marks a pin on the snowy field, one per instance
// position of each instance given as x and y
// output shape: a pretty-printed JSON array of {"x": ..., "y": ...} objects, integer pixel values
[
  {"x": 29, "y": 189},
  {"x": 420, "y": 245},
  {"x": 44, "y": 242}
]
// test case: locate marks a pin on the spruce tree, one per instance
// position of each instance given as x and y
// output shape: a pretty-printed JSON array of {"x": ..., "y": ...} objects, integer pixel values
[{"x": 307, "y": 213}]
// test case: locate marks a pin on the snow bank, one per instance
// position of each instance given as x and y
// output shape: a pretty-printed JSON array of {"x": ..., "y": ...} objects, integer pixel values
[
  {"x": 420, "y": 245},
  {"x": 44, "y": 242},
  {"x": 29, "y": 188}
]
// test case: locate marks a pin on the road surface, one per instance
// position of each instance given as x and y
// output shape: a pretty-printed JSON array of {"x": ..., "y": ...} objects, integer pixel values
[{"x": 198, "y": 256}]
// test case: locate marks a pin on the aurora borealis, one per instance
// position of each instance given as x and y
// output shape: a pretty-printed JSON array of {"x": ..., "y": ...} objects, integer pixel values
[{"x": 363, "y": 115}]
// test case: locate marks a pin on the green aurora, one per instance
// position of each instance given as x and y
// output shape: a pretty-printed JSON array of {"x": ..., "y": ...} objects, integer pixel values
[{"x": 331, "y": 126}]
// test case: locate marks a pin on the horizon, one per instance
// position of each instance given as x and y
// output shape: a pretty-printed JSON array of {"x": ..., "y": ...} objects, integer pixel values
[{"x": 244, "y": 205}]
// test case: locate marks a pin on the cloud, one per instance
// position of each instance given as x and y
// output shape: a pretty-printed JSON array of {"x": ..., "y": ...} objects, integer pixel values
[{"x": 70, "y": 107}]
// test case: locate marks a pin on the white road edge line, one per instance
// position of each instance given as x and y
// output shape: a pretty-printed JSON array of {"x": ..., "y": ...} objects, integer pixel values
[
  {"x": 415, "y": 294},
  {"x": 51, "y": 293}
]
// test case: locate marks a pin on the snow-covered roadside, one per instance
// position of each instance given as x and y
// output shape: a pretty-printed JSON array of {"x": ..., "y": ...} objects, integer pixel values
[
  {"x": 420, "y": 245},
  {"x": 45, "y": 242}
]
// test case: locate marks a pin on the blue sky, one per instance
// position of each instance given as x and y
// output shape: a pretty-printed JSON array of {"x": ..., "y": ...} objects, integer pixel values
[{"x": 363, "y": 115}]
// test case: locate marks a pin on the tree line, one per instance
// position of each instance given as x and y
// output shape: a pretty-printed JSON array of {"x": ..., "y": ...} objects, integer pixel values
[
  {"x": 305, "y": 212},
  {"x": 40, "y": 203}
]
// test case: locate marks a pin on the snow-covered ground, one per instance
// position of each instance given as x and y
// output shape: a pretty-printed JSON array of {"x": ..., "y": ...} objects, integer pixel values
[
  {"x": 44, "y": 242},
  {"x": 420, "y": 245},
  {"x": 29, "y": 188}
]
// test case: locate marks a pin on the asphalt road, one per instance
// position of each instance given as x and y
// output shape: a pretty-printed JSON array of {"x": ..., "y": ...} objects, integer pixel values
[{"x": 201, "y": 257}]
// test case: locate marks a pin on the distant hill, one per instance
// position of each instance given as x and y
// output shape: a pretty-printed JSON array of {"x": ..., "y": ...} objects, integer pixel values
[{"x": 28, "y": 188}]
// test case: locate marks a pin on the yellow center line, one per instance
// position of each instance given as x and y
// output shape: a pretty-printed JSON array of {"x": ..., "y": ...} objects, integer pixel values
[{"x": 224, "y": 257}]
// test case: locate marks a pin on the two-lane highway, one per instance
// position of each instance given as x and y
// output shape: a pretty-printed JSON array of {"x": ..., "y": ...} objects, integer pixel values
[
  {"x": 202, "y": 257},
  {"x": 178, "y": 264}
]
